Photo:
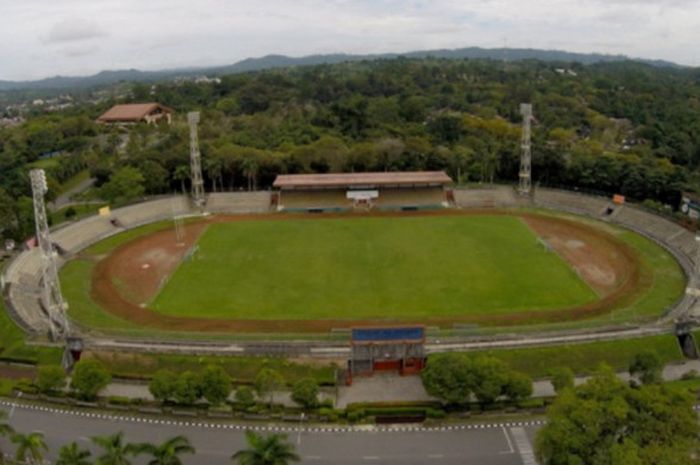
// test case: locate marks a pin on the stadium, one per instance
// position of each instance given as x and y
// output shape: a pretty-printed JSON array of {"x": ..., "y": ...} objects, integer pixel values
[{"x": 293, "y": 270}]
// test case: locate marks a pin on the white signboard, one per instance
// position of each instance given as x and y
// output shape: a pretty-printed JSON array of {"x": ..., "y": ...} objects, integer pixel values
[{"x": 362, "y": 195}]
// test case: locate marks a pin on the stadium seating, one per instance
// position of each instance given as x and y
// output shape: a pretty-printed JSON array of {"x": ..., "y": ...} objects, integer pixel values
[
  {"x": 238, "y": 202},
  {"x": 486, "y": 197},
  {"x": 306, "y": 200},
  {"x": 397, "y": 198},
  {"x": 571, "y": 201}
]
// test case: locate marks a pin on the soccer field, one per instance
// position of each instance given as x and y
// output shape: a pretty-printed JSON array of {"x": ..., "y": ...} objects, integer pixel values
[{"x": 365, "y": 268}]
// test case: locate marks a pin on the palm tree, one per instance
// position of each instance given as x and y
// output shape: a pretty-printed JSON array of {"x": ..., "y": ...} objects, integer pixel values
[
  {"x": 116, "y": 452},
  {"x": 30, "y": 447},
  {"x": 5, "y": 430},
  {"x": 270, "y": 450},
  {"x": 72, "y": 454},
  {"x": 167, "y": 453}
]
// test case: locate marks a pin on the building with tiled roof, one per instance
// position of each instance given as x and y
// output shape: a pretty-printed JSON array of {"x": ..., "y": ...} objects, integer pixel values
[{"x": 136, "y": 113}]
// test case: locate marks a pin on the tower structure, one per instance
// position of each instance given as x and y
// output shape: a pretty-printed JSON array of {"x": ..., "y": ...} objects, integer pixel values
[
  {"x": 525, "y": 150},
  {"x": 51, "y": 297},
  {"x": 195, "y": 160}
]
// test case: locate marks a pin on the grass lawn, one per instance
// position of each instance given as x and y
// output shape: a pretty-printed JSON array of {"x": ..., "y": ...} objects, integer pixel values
[
  {"x": 370, "y": 267},
  {"x": 584, "y": 358}
]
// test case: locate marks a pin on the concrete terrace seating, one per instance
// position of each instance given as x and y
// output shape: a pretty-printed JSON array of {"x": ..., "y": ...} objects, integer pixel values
[
  {"x": 571, "y": 201},
  {"x": 238, "y": 202},
  {"x": 396, "y": 198},
  {"x": 305, "y": 200},
  {"x": 485, "y": 197},
  {"x": 79, "y": 235},
  {"x": 155, "y": 210}
]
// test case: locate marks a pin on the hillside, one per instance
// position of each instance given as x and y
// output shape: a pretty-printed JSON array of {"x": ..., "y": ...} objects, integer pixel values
[{"x": 280, "y": 61}]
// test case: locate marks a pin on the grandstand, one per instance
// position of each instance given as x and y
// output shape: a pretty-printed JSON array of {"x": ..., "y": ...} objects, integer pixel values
[
  {"x": 238, "y": 202},
  {"x": 486, "y": 197},
  {"x": 362, "y": 191}
]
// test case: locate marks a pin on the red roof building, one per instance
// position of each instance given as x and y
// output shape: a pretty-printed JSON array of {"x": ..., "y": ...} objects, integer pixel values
[{"x": 137, "y": 113}]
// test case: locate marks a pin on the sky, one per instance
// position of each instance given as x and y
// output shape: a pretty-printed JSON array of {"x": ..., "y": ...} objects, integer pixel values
[{"x": 42, "y": 38}]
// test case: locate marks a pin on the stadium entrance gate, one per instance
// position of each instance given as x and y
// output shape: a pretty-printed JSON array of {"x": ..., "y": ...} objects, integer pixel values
[{"x": 395, "y": 348}]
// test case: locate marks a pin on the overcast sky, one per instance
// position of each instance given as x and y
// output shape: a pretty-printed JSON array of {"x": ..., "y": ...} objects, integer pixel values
[{"x": 40, "y": 38}]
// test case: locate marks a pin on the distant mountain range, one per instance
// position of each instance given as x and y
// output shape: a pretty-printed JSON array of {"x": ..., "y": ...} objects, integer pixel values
[{"x": 280, "y": 61}]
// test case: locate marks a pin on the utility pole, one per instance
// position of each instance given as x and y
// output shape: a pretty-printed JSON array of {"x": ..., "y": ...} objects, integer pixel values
[
  {"x": 51, "y": 297},
  {"x": 195, "y": 160},
  {"x": 526, "y": 152}
]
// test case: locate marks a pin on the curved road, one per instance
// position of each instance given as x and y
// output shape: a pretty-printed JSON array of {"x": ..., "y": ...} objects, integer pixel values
[{"x": 497, "y": 444}]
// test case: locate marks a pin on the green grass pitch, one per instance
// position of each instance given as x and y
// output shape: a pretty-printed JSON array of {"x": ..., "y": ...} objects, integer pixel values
[{"x": 368, "y": 268}]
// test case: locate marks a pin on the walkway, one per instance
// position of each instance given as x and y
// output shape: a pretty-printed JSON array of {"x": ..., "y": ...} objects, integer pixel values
[{"x": 387, "y": 387}]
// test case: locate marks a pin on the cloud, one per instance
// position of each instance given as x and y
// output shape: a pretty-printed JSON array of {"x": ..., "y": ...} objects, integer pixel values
[
  {"x": 80, "y": 50},
  {"x": 73, "y": 30}
]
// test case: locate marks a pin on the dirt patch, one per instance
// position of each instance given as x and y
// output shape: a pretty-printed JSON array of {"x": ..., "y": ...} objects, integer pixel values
[
  {"x": 121, "y": 283},
  {"x": 595, "y": 257},
  {"x": 16, "y": 372},
  {"x": 138, "y": 269}
]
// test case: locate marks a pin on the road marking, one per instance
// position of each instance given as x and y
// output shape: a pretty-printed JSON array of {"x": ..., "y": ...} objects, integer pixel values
[
  {"x": 510, "y": 443},
  {"x": 436, "y": 456},
  {"x": 523, "y": 444},
  {"x": 370, "y": 457}
]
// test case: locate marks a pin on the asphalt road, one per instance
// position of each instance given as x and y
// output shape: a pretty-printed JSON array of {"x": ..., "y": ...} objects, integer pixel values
[{"x": 497, "y": 445}]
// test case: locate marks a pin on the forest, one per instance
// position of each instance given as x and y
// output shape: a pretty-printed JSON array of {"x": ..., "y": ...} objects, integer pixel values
[{"x": 618, "y": 127}]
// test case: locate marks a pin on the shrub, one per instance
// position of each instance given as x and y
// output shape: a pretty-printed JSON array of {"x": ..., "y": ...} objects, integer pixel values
[
  {"x": 518, "y": 386},
  {"x": 647, "y": 367},
  {"x": 163, "y": 384},
  {"x": 50, "y": 379},
  {"x": 187, "y": 388},
  {"x": 305, "y": 393},
  {"x": 70, "y": 213},
  {"x": 562, "y": 378},
  {"x": 215, "y": 385},
  {"x": 245, "y": 396},
  {"x": 89, "y": 378},
  {"x": 689, "y": 375},
  {"x": 267, "y": 382}
]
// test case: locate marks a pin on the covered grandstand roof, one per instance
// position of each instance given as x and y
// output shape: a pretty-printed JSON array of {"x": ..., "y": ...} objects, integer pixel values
[{"x": 361, "y": 180}]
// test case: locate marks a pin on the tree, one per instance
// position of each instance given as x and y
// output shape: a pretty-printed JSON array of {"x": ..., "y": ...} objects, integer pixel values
[
  {"x": 245, "y": 396},
  {"x": 216, "y": 384},
  {"x": 491, "y": 377},
  {"x": 305, "y": 393},
  {"x": 606, "y": 421},
  {"x": 182, "y": 173},
  {"x": 114, "y": 450},
  {"x": 449, "y": 377},
  {"x": 518, "y": 386},
  {"x": 5, "y": 430},
  {"x": 30, "y": 447},
  {"x": 188, "y": 388},
  {"x": 270, "y": 450},
  {"x": 647, "y": 367},
  {"x": 125, "y": 184},
  {"x": 72, "y": 454},
  {"x": 562, "y": 378},
  {"x": 267, "y": 382},
  {"x": 163, "y": 385},
  {"x": 89, "y": 378},
  {"x": 167, "y": 453},
  {"x": 50, "y": 379}
]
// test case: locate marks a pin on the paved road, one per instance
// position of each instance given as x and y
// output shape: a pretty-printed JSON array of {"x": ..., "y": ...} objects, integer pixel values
[
  {"x": 65, "y": 198},
  {"x": 498, "y": 445}
]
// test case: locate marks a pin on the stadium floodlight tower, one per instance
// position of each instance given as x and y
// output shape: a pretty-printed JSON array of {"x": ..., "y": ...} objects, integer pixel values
[
  {"x": 525, "y": 150},
  {"x": 195, "y": 160},
  {"x": 51, "y": 297}
]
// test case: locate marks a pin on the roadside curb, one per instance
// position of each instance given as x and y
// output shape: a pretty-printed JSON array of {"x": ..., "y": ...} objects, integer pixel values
[{"x": 269, "y": 427}]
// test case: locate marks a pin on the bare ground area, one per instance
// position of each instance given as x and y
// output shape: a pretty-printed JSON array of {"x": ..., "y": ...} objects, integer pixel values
[{"x": 134, "y": 272}]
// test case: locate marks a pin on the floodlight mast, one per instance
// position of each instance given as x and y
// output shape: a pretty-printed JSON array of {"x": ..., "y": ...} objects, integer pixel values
[
  {"x": 51, "y": 297},
  {"x": 195, "y": 160},
  {"x": 526, "y": 151}
]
